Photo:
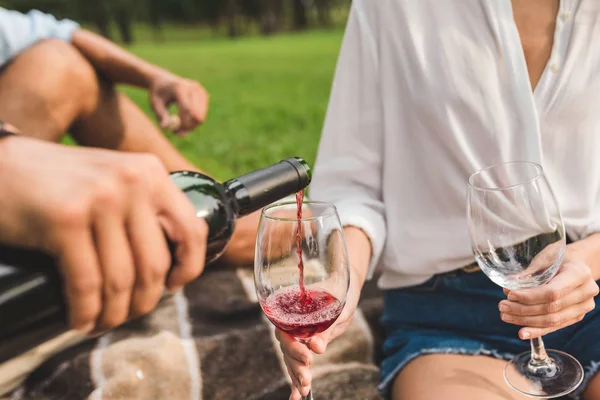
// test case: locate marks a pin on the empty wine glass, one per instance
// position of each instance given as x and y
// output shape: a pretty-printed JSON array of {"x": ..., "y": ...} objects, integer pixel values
[
  {"x": 518, "y": 239},
  {"x": 301, "y": 275}
]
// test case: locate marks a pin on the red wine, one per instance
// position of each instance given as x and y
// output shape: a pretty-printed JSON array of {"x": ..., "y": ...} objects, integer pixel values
[
  {"x": 302, "y": 315},
  {"x": 299, "y": 200}
]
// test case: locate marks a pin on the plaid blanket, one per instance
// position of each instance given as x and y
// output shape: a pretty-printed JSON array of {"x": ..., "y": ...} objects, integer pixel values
[{"x": 210, "y": 342}]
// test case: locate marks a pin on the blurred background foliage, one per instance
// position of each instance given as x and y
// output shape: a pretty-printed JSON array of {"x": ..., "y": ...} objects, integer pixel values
[{"x": 268, "y": 65}]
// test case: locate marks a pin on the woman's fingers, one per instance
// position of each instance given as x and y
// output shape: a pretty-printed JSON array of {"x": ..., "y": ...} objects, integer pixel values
[
  {"x": 532, "y": 333},
  {"x": 294, "y": 349},
  {"x": 571, "y": 276},
  {"x": 552, "y": 320},
  {"x": 584, "y": 292},
  {"x": 300, "y": 375}
]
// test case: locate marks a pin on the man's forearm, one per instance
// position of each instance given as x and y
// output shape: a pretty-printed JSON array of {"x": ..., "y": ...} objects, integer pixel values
[{"x": 117, "y": 64}]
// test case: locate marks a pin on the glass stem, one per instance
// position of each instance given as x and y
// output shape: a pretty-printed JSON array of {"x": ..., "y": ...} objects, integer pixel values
[
  {"x": 540, "y": 364},
  {"x": 538, "y": 352}
]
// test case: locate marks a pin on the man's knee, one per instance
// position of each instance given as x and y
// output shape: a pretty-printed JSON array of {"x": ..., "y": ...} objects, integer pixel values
[{"x": 65, "y": 75}]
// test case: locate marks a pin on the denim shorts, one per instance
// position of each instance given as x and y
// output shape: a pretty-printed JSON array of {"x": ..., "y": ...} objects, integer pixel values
[{"x": 458, "y": 314}]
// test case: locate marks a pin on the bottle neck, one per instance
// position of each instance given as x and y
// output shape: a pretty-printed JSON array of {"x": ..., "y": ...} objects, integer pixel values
[{"x": 258, "y": 189}]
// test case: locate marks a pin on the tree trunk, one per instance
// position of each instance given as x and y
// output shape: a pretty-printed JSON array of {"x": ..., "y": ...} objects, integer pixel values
[
  {"x": 300, "y": 14},
  {"x": 123, "y": 19},
  {"x": 99, "y": 16},
  {"x": 232, "y": 23},
  {"x": 270, "y": 16},
  {"x": 323, "y": 12},
  {"x": 154, "y": 16}
]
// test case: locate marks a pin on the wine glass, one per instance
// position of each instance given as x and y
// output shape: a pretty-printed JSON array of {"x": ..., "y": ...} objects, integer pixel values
[
  {"x": 301, "y": 268},
  {"x": 518, "y": 239}
]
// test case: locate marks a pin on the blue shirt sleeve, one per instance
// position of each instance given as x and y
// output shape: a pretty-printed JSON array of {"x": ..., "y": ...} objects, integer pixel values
[{"x": 19, "y": 31}]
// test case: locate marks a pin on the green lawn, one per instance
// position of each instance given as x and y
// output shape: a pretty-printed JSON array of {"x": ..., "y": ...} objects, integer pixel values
[{"x": 268, "y": 96}]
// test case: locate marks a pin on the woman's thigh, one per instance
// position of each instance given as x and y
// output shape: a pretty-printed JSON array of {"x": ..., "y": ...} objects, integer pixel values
[
  {"x": 593, "y": 390},
  {"x": 453, "y": 377}
]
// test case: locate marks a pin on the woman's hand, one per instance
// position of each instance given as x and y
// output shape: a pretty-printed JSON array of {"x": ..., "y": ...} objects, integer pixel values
[
  {"x": 298, "y": 357},
  {"x": 564, "y": 301}
]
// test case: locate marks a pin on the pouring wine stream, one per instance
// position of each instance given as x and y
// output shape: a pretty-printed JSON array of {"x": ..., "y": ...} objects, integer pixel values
[
  {"x": 303, "y": 300},
  {"x": 299, "y": 201}
]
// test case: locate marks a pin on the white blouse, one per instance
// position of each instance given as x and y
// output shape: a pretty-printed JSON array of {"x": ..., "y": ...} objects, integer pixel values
[{"x": 427, "y": 92}]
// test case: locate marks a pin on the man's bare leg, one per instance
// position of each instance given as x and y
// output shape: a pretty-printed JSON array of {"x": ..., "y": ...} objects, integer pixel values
[{"x": 51, "y": 89}]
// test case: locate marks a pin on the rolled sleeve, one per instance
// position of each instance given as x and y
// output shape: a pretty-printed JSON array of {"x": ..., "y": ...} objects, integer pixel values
[
  {"x": 20, "y": 31},
  {"x": 348, "y": 171},
  {"x": 371, "y": 222}
]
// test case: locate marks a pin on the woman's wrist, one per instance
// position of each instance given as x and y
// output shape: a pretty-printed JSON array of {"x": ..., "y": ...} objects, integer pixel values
[
  {"x": 359, "y": 254},
  {"x": 588, "y": 249}
]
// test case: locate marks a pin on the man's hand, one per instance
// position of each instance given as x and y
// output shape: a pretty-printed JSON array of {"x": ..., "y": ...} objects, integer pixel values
[
  {"x": 564, "y": 301},
  {"x": 120, "y": 66},
  {"x": 104, "y": 215},
  {"x": 189, "y": 96}
]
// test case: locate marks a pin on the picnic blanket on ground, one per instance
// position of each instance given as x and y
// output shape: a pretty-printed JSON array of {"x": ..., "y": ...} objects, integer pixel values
[{"x": 208, "y": 342}]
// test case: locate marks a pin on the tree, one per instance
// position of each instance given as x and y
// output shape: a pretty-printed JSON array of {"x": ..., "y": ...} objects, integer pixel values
[
  {"x": 323, "y": 12},
  {"x": 271, "y": 16},
  {"x": 300, "y": 17},
  {"x": 123, "y": 11},
  {"x": 155, "y": 18},
  {"x": 98, "y": 14},
  {"x": 232, "y": 18}
]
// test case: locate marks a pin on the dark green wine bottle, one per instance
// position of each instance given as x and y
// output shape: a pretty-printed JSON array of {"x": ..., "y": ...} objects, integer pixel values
[{"x": 32, "y": 307}]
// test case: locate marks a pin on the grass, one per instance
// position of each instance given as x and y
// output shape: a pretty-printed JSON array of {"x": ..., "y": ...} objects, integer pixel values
[{"x": 268, "y": 96}]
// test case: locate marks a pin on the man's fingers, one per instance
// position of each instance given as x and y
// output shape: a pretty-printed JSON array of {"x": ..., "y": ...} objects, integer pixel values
[
  {"x": 83, "y": 279},
  {"x": 200, "y": 104},
  {"x": 185, "y": 103},
  {"x": 160, "y": 109},
  {"x": 116, "y": 263},
  {"x": 188, "y": 234},
  {"x": 152, "y": 259}
]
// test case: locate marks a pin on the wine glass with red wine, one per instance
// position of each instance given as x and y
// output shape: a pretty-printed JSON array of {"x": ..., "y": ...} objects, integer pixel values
[{"x": 301, "y": 268}]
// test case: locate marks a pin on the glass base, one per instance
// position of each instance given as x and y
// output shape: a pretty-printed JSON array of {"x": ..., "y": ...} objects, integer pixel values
[{"x": 556, "y": 378}]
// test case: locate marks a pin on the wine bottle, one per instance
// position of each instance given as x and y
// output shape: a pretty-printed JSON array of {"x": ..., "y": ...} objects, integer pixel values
[{"x": 32, "y": 307}]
